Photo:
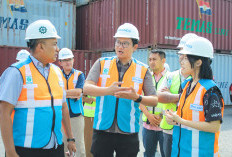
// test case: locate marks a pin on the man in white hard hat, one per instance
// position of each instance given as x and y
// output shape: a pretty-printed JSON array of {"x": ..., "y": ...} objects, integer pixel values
[
  {"x": 34, "y": 90},
  {"x": 118, "y": 83},
  {"x": 22, "y": 55},
  {"x": 73, "y": 84}
]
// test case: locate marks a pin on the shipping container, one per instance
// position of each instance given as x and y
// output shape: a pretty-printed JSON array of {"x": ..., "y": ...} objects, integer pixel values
[
  {"x": 161, "y": 23},
  {"x": 221, "y": 66},
  {"x": 82, "y": 2},
  {"x": 83, "y": 60},
  {"x": 16, "y": 15}
]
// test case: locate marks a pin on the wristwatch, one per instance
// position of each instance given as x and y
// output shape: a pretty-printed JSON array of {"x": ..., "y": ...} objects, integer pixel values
[
  {"x": 139, "y": 99},
  {"x": 71, "y": 139}
]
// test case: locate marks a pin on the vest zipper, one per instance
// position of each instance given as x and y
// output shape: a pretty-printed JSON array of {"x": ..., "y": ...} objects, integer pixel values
[
  {"x": 52, "y": 105},
  {"x": 182, "y": 111},
  {"x": 117, "y": 100}
]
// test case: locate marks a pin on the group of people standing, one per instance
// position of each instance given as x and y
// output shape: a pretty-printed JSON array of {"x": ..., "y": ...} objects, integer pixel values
[{"x": 182, "y": 110}]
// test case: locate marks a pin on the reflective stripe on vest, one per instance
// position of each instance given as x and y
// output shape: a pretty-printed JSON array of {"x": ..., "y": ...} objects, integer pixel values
[
  {"x": 128, "y": 111},
  {"x": 33, "y": 119},
  {"x": 199, "y": 143}
]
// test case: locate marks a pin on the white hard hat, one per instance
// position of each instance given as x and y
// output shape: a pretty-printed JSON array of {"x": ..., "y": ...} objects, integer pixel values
[
  {"x": 127, "y": 30},
  {"x": 41, "y": 29},
  {"x": 185, "y": 38},
  {"x": 65, "y": 53},
  {"x": 22, "y": 55},
  {"x": 198, "y": 47}
]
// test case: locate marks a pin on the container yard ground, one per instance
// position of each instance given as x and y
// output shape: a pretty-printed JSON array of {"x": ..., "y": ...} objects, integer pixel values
[{"x": 225, "y": 143}]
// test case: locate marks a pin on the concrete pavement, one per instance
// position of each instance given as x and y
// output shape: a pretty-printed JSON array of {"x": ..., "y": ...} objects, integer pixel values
[{"x": 225, "y": 143}]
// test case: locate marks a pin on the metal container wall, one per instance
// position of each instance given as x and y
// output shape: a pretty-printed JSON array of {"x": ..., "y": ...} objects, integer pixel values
[
  {"x": 15, "y": 18},
  {"x": 221, "y": 67},
  {"x": 178, "y": 17},
  {"x": 83, "y": 60},
  {"x": 82, "y": 2},
  {"x": 161, "y": 23},
  {"x": 102, "y": 18},
  {"x": 223, "y": 74}
]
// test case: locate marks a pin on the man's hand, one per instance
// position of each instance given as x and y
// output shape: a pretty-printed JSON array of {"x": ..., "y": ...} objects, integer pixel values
[
  {"x": 154, "y": 119},
  {"x": 127, "y": 93},
  {"x": 115, "y": 88},
  {"x": 72, "y": 148},
  {"x": 165, "y": 89}
]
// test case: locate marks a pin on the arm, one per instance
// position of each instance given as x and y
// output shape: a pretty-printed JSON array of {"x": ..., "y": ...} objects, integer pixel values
[
  {"x": 74, "y": 93},
  {"x": 7, "y": 128},
  {"x": 153, "y": 119},
  {"x": 90, "y": 88},
  {"x": 166, "y": 97},
  {"x": 67, "y": 127},
  {"x": 213, "y": 126},
  {"x": 77, "y": 91}
]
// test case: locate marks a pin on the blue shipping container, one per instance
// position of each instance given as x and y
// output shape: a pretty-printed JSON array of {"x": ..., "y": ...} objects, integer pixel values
[{"x": 16, "y": 15}]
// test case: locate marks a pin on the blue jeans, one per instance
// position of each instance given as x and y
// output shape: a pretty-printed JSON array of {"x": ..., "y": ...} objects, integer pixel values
[
  {"x": 150, "y": 141},
  {"x": 167, "y": 145}
]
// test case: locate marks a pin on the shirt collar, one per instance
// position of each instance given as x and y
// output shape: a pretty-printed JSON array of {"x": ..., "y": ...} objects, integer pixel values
[
  {"x": 71, "y": 72},
  {"x": 162, "y": 73},
  {"x": 118, "y": 61},
  {"x": 38, "y": 63}
]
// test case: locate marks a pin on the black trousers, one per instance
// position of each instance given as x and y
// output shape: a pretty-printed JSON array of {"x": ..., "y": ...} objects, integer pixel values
[
  {"x": 33, "y": 152},
  {"x": 104, "y": 144}
]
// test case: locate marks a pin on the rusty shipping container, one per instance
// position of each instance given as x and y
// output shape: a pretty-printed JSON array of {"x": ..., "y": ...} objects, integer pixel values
[
  {"x": 161, "y": 23},
  {"x": 83, "y": 60},
  {"x": 16, "y": 15}
]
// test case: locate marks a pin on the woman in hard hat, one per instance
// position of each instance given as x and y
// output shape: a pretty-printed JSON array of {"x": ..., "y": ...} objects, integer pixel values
[{"x": 200, "y": 108}]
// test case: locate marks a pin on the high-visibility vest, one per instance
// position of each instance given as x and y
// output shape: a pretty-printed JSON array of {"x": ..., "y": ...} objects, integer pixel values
[
  {"x": 126, "y": 111},
  {"x": 89, "y": 109},
  {"x": 75, "y": 106},
  {"x": 174, "y": 83},
  {"x": 159, "y": 108},
  {"x": 38, "y": 111},
  {"x": 188, "y": 141}
]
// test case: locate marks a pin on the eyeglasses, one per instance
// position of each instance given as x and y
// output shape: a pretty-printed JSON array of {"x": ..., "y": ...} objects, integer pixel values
[{"x": 123, "y": 44}]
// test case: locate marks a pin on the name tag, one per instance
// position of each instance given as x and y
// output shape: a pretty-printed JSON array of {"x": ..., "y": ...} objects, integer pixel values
[
  {"x": 137, "y": 80},
  {"x": 105, "y": 76},
  {"x": 30, "y": 86},
  {"x": 196, "y": 107}
]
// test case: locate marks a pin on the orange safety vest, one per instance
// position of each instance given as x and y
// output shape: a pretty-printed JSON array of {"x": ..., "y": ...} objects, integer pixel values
[
  {"x": 188, "y": 141},
  {"x": 38, "y": 111},
  {"x": 75, "y": 106},
  {"x": 107, "y": 107}
]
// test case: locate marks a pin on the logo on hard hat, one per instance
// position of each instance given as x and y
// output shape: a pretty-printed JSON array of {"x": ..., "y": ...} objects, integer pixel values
[
  {"x": 42, "y": 30},
  {"x": 189, "y": 46},
  {"x": 124, "y": 30}
]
